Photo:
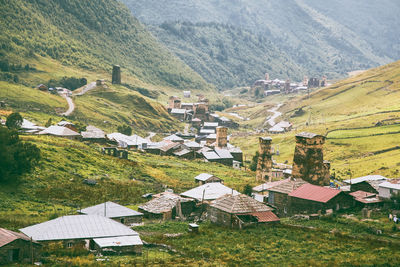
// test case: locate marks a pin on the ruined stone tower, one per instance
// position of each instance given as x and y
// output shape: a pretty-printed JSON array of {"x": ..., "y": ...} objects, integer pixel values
[
  {"x": 308, "y": 160},
  {"x": 116, "y": 74},
  {"x": 264, "y": 162},
  {"x": 222, "y": 137}
]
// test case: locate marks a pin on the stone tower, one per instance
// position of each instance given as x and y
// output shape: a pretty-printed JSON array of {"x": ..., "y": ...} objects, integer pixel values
[
  {"x": 116, "y": 74},
  {"x": 264, "y": 162},
  {"x": 305, "y": 81},
  {"x": 222, "y": 137},
  {"x": 267, "y": 76},
  {"x": 174, "y": 102},
  {"x": 308, "y": 160},
  {"x": 287, "y": 86}
]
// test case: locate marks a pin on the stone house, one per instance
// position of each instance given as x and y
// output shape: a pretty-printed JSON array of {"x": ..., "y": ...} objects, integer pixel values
[
  {"x": 17, "y": 248},
  {"x": 61, "y": 131},
  {"x": 239, "y": 211},
  {"x": 311, "y": 199},
  {"x": 389, "y": 188},
  {"x": 114, "y": 211},
  {"x": 205, "y": 178}
]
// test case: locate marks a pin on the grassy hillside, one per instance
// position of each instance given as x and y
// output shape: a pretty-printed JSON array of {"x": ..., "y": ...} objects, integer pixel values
[
  {"x": 224, "y": 55},
  {"x": 359, "y": 115},
  {"x": 56, "y": 186},
  {"x": 325, "y": 38},
  {"x": 89, "y": 35}
]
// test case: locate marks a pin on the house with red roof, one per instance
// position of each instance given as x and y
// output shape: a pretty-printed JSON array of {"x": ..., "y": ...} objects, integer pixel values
[{"x": 310, "y": 199}]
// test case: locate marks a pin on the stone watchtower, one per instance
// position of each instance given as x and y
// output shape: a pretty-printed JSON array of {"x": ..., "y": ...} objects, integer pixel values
[
  {"x": 264, "y": 162},
  {"x": 308, "y": 160},
  {"x": 222, "y": 137},
  {"x": 116, "y": 74}
]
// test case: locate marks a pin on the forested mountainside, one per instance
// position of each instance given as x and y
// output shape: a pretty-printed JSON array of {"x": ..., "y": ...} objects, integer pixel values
[
  {"x": 90, "y": 35},
  {"x": 322, "y": 37},
  {"x": 225, "y": 55}
]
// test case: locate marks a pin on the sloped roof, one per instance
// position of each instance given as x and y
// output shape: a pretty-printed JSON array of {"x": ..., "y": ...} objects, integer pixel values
[
  {"x": 192, "y": 144},
  {"x": 210, "y": 155},
  {"x": 93, "y": 133},
  {"x": 365, "y": 197},
  {"x": 393, "y": 184},
  {"x": 365, "y": 179},
  {"x": 265, "y": 216},
  {"x": 28, "y": 125},
  {"x": 178, "y": 111},
  {"x": 266, "y": 186},
  {"x": 133, "y": 140},
  {"x": 207, "y": 131},
  {"x": 77, "y": 227},
  {"x": 288, "y": 186},
  {"x": 307, "y": 135},
  {"x": 63, "y": 123},
  {"x": 118, "y": 241},
  {"x": 204, "y": 177},
  {"x": 173, "y": 138},
  {"x": 211, "y": 191},
  {"x": 239, "y": 204},
  {"x": 8, "y": 236},
  {"x": 164, "y": 203},
  {"x": 113, "y": 210},
  {"x": 315, "y": 193},
  {"x": 182, "y": 152},
  {"x": 210, "y": 124},
  {"x": 167, "y": 145},
  {"x": 223, "y": 153},
  {"x": 59, "y": 131}
]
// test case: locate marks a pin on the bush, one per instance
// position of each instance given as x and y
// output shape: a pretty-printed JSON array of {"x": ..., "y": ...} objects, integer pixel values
[
  {"x": 70, "y": 83},
  {"x": 125, "y": 129},
  {"x": 14, "y": 121}
]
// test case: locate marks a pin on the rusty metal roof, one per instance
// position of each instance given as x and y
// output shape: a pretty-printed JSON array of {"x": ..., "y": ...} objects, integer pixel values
[
  {"x": 265, "y": 216},
  {"x": 7, "y": 236},
  {"x": 315, "y": 193}
]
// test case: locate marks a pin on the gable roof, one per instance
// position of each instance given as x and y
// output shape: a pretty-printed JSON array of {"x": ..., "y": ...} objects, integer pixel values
[
  {"x": 133, "y": 140},
  {"x": 204, "y": 177},
  {"x": 113, "y": 210},
  {"x": 223, "y": 153},
  {"x": 239, "y": 204},
  {"x": 365, "y": 179},
  {"x": 118, "y": 241},
  {"x": 266, "y": 186},
  {"x": 288, "y": 186},
  {"x": 93, "y": 133},
  {"x": 315, "y": 193},
  {"x": 178, "y": 111},
  {"x": 77, "y": 227},
  {"x": 307, "y": 135},
  {"x": 8, "y": 236},
  {"x": 192, "y": 144},
  {"x": 210, "y": 124},
  {"x": 59, "y": 131},
  {"x": 392, "y": 184},
  {"x": 173, "y": 138},
  {"x": 211, "y": 191},
  {"x": 164, "y": 203}
]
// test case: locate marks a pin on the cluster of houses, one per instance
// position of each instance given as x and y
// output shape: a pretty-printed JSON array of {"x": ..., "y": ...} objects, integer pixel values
[{"x": 269, "y": 87}]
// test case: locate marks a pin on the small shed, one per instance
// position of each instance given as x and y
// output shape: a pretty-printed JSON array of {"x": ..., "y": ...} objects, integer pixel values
[
  {"x": 116, "y": 212},
  {"x": 17, "y": 248},
  {"x": 204, "y": 178},
  {"x": 118, "y": 245}
]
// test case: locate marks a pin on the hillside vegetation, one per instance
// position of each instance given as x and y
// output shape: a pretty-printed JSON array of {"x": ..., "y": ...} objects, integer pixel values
[
  {"x": 90, "y": 35},
  {"x": 323, "y": 37},
  {"x": 360, "y": 117},
  {"x": 225, "y": 55}
]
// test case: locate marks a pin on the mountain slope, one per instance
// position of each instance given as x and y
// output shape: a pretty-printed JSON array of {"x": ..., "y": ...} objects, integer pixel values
[
  {"x": 311, "y": 32},
  {"x": 224, "y": 55},
  {"x": 90, "y": 35}
]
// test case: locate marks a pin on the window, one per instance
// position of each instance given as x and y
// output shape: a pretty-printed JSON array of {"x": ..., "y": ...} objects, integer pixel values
[{"x": 70, "y": 245}]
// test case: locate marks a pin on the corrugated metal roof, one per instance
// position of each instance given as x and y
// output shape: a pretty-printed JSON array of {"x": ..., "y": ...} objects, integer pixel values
[
  {"x": 133, "y": 140},
  {"x": 7, "y": 236},
  {"x": 210, "y": 124},
  {"x": 77, "y": 227},
  {"x": 192, "y": 144},
  {"x": 113, "y": 210},
  {"x": 265, "y": 216},
  {"x": 178, "y": 111},
  {"x": 182, "y": 152},
  {"x": 173, "y": 138},
  {"x": 59, "y": 131},
  {"x": 210, "y": 155},
  {"x": 239, "y": 204},
  {"x": 211, "y": 191},
  {"x": 119, "y": 241},
  {"x": 203, "y": 177},
  {"x": 365, "y": 178},
  {"x": 393, "y": 184},
  {"x": 93, "y": 133},
  {"x": 223, "y": 153},
  {"x": 315, "y": 193}
]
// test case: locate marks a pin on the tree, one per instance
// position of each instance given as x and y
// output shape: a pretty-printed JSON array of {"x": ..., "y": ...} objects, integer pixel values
[
  {"x": 49, "y": 123},
  {"x": 254, "y": 161},
  {"x": 14, "y": 121},
  {"x": 16, "y": 157},
  {"x": 125, "y": 129},
  {"x": 247, "y": 190}
]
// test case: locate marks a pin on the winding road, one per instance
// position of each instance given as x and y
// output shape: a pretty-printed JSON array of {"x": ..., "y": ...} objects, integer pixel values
[
  {"x": 71, "y": 104},
  {"x": 276, "y": 114}
]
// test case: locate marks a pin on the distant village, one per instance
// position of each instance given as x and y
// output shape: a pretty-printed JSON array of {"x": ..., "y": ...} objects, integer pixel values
[{"x": 305, "y": 189}]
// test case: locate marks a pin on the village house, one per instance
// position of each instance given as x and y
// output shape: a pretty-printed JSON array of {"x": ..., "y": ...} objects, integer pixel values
[
  {"x": 179, "y": 113},
  {"x": 311, "y": 199},
  {"x": 174, "y": 138},
  {"x": 118, "y": 245},
  {"x": 68, "y": 125},
  {"x": 82, "y": 231},
  {"x": 262, "y": 189},
  {"x": 389, "y": 188},
  {"x": 210, "y": 125},
  {"x": 30, "y": 127},
  {"x": 116, "y": 212},
  {"x": 369, "y": 183},
  {"x": 61, "y": 131},
  {"x": 186, "y": 94},
  {"x": 205, "y": 178},
  {"x": 17, "y": 248},
  {"x": 185, "y": 154},
  {"x": 167, "y": 206},
  {"x": 278, "y": 195},
  {"x": 93, "y": 134},
  {"x": 239, "y": 211},
  {"x": 366, "y": 199},
  {"x": 193, "y": 145},
  {"x": 126, "y": 141},
  {"x": 208, "y": 192},
  {"x": 187, "y": 106}
]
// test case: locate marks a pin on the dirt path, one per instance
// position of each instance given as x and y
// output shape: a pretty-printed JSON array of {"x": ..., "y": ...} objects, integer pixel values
[
  {"x": 87, "y": 88},
  {"x": 71, "y": 105},
  {"x": 276, "y": 114}
]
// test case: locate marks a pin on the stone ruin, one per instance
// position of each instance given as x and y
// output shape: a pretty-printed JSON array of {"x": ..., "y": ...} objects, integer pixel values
[
  {"x": 308, "y": 160},
  {"x": 116, "y": 74},
  {"x": 264, "y": 162}
]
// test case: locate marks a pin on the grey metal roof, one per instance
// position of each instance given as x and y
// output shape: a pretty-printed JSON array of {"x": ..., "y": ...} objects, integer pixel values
[
  {"x": 207, "y": 131},
  {"x": 211, "y": 191},
  {"x": 178, "y": 111},
  {"x": 119, "y": 241},
  {"x": 173, "y": 138},
  {"x": 223, "y": 153},
  {"x": 77, "y": 227},
  {"x": 210, "y": 124},
  {"x": 392, "y": 184},
  {"x": 210, "y": 155},
  {"x": 365, "y": 178},
  {"x": 93, "y": 133},
  {"x": 112, "y": 210},
  {"x": 59, "y": 131},
  {"x": 133, "y": 140}
]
